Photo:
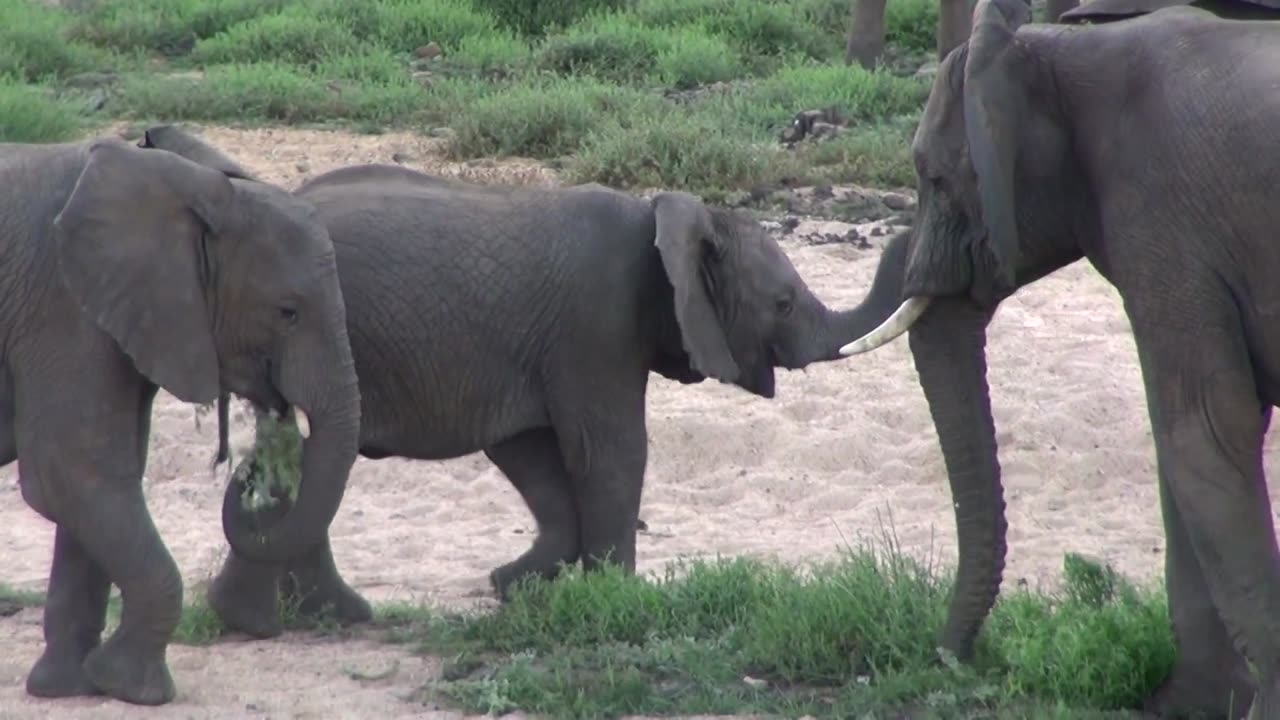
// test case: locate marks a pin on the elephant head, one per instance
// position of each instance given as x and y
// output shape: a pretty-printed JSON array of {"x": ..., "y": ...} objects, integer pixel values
[
  {"x": 741, "y": 307},
  {"x": 1002, "y": 202},
  {"x": 214, "y": 283}
]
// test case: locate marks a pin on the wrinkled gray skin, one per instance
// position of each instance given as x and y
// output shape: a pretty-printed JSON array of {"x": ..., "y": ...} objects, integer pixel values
[
  {"x": 124, "y": 271},
  {"x": 525, "y": 323},
  {"x": 1140, "y": 145},
  {"x": 1100, "y": 11}
]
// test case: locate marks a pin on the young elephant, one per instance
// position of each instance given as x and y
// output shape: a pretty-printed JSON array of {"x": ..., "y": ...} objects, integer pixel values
[
  {"x": 524, "y": 323},
  {"x": 124, "y": 271}
]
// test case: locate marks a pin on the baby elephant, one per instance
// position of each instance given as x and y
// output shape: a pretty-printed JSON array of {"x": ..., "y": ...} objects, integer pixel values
[{"x": 524, "y": 323}]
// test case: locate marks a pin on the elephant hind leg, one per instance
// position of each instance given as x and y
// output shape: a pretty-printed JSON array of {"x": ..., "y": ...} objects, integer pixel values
[
  {"x": 532, "y": 461},
  {"x": 1208, "y": 423},
  {"x": 75, "y": 612}
]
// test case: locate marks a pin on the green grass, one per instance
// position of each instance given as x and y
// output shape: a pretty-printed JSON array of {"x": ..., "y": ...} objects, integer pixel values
[
  {"x": 842, "y": 639},
  {"x": 580, "y": 81},
  {"x": 32, "y": 113},
  {"x": 850, "y": 637}
]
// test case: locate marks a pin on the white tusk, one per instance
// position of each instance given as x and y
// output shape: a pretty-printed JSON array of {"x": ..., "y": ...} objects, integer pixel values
[
  {"x": 304, "y": 422},
  {"x": 898, "y": 323}
]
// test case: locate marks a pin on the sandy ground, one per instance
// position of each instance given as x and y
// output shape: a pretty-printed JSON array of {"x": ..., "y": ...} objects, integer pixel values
[{"x": 841, "y": 449}]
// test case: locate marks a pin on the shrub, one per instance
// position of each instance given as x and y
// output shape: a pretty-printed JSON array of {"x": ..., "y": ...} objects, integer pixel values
[
  {"x": 293, "y": 37},
  {"x": 669, "y": 13},
  {"x": 767, "y": 29},
  {"x": 34, "y": 45},
  {"x": 537, "y": 18},
  {"x": 679, "y": 152},
  {"x": 171, "y": 27},
  {"x": 694, "y": 58},
  {"x": 608, "y": 47},
  {"x": 405, "y": 25},
  {"x": 543, "y": 118},
  {"x": 31, "y": 114},
  {"x": 912, "y": 24},
  {"x": 770, "y": 104},
  {"x": 490, "y": 51},
  {"x": 271, "y": 91}
]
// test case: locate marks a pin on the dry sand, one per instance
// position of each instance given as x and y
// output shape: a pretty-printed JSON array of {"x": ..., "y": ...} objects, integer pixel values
[{"x": 843, "y": 447}]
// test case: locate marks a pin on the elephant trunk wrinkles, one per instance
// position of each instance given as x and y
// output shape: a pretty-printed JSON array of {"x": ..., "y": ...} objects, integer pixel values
[
  {"x": 836, "y": 328},
  {"x": 333, "y": 410},
  {"x": 949, "y": 347}
]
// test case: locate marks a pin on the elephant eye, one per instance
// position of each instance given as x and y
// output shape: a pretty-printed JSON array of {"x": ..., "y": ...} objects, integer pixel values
[
  {"x": 784, "y": 306},
  {"x": 290, "y": 315}
]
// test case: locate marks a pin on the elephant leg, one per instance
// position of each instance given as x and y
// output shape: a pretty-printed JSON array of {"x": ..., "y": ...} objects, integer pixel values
[
  {"x": 1210, "y": 674},
  {"x": 75, "y": 613},
  {"x": 314, "y": 588},
  {"x": 1208, "y": 425},
  {"x": 605, "y": 451},
  {"x": 532, "y": 461},
  {"x": 80, "y": 444},
  {"x": 246, "y": 596}
]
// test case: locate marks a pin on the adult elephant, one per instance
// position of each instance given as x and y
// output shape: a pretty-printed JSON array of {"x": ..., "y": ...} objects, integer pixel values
[
  {"x": 524, "y": 323},
  {"x": 127, "y": 270},
  {"x": 1139, "y": 145},
  {"x": 864, "y": 43}
]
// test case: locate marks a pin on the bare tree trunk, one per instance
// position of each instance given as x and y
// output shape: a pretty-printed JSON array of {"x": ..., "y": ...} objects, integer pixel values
[
  {"x": 954, "y": 19},
  {"x": 1053, "y": 9},
  {"x": 865, "y": 42}
]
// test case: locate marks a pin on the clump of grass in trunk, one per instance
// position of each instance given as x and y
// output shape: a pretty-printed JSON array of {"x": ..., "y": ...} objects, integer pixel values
[{"x": 272, "y": 470}]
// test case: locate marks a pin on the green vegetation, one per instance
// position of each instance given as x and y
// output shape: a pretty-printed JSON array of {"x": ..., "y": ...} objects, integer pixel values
[
  {"x": 850, "y": 637},
  {"x": 686, "y": 94}
]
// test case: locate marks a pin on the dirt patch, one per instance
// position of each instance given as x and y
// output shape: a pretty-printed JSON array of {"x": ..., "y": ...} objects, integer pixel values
[{"x": 842, "y": 447}]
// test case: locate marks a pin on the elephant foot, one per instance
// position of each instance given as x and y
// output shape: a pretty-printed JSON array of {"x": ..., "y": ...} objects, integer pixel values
[
  {"x": 59, "y": 675},
  {"x": 245, "y": 597},
  {"x": 129, "y": 674},
  {"x": 1207, "y": 695},
  {"x": 505, "y": 579},
  {"x": 331, "y": 600}
]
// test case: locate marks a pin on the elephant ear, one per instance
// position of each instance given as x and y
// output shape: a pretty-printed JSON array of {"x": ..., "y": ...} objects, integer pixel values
[
  {"x": 180, "y": 142},
  {"x": 686, "y": 240},
  {"x": 994, "y": 104},
  {"x": 130, "y": 247}
]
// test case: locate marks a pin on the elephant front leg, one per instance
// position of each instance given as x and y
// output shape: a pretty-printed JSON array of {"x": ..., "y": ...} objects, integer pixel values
[
  {"x": 313, "y": 589},
  {"x": 1208, "y": 424},
  {"x": 75, "y": 612},
  {"x": 533, "y": 463},
  {"x": 246, "y": 596}
]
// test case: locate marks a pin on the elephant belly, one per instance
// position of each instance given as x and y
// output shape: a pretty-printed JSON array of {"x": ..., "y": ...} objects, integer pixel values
[{"x": 449, "y": 422}]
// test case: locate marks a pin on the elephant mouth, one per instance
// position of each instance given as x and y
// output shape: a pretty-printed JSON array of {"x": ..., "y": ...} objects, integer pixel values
[{"x": 762, "y": 380}]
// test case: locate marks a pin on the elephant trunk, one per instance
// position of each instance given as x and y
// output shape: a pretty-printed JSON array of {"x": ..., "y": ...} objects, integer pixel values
[
  {"x": 948, "y": 344},
  {"x": 836, "y": 329},
  {"x": 327, "y": 456}
]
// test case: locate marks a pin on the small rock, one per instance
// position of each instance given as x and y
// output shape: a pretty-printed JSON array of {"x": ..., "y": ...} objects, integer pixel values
[
  {"x": 422, "y": 77},
  {"x": 441, "y": 132},
  {"x": 641, "y": 525},
  {"x": 428, "y": 51},
  {"x": 400, "y": 158},
  {"x": 754, "y": 682},
  {"x": 823, "y": 192},
  {"x": 303, "y": 168},
  {"x": 789, "y": 224},
  {"x": 897, "y": 201}
]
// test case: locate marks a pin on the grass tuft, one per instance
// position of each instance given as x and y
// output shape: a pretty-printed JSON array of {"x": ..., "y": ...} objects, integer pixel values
[
  {"x": 840, "y": 639},
  {"x": 33, "y": 113}
]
